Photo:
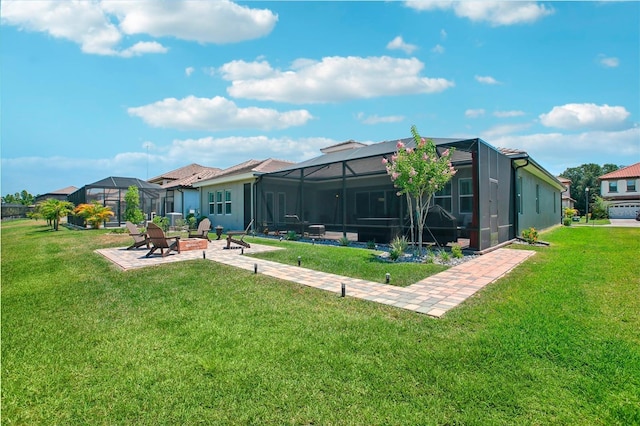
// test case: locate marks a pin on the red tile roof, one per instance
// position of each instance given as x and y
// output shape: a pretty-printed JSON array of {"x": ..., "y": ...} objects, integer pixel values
[{"x": 632, "y": 171}]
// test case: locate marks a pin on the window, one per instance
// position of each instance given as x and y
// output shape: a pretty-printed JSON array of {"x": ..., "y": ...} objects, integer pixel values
[
  {"x": 465, "y": 189},
  {"x": 613, "y": 186},
  {"x": 537, "y": 198},
  {"x": 227, "y": 202},
  {"x": 443, "y": 197},
  {"x": 631, "y": 185},
  {"x": 212, "y": 204},
  {"x": 219, "y": 202}
]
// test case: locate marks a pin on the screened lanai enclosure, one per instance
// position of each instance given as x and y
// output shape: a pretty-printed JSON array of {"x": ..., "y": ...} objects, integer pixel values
[
  {"x": 349, "y": 191},
  {"x": 111, "y": 192}
]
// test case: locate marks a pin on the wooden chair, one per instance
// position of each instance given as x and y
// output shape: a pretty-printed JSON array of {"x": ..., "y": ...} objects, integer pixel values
[
  {"x": 202, "y": 231},
  {"x": 160, "y": 241},
  {"x": 241, "y": 242},
  {"x": 139, "y": 238}
]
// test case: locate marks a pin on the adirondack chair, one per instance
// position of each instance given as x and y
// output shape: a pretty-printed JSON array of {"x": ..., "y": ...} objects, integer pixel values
[
  {"x": 139, "y": 238},
  {"x": 202, "y": 231},
  {"x": 160, "y": 241},
  {"x": 232, "y": 234}
]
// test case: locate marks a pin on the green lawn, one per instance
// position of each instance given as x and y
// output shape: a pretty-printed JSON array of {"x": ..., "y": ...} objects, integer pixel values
[{"x": 555, "y": 342}]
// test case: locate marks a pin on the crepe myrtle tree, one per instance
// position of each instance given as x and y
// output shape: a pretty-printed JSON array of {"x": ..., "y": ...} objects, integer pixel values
[{"x": 418, "y": 173}]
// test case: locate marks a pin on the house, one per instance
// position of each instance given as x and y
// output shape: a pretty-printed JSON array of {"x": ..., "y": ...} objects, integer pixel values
[
  {"x": 567, "y": 201},
  {"x": 622, "y": 190},
  {"x": 228, "y": 197},
  {"x": 180, "y": 195},
  {"x": 60, "y": 194},
  {"x": 494, "y": 195},
  {"x": 111, "y": 192}
]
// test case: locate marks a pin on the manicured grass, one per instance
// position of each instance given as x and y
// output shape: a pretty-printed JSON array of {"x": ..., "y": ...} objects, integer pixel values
[{"x": 554, "y": 342}]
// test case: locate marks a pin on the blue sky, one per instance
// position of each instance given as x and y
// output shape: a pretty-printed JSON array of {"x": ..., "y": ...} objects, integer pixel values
[{"x": 134, "y": 88}]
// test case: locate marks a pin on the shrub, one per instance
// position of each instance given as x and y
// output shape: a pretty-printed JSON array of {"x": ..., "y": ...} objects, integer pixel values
[
  {"x": 599, "y": 209},
  {"x": 94, "y": 213},
  {"x": 530, "y": 235},
  {"x": 292, "y": 236},
  {"x": 566, "y": 221},
  {"x": 430, "y": 256},
  {"x": 132, "y": 210},
  {"x": 371, "y": 244},
  {"x": 162, "y": 222},
  {"x": 456, "y": 251},
  {"x": 444, "y": 256},
  {"x": 398, "y": 247},
  {"x": 569, "y": 212},
  {"x": 344, "y": 241}
]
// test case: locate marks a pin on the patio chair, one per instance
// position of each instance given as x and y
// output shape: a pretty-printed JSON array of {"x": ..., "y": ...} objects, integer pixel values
[
  {"x": 202, "y": 231},
  {"x": 160, "y": 241},
  {"x": 139, "y": 238},
  {"x": 241, "y": 242}
]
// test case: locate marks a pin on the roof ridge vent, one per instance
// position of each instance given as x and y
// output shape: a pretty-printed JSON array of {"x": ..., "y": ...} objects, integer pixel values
[{"x": 342, "y": 146}]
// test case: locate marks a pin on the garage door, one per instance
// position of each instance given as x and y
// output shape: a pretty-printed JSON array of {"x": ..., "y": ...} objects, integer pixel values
[{"x": 623, "y": 211}]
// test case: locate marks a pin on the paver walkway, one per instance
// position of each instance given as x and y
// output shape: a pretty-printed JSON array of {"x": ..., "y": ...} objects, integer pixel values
[{"x": 433, "y": 296}]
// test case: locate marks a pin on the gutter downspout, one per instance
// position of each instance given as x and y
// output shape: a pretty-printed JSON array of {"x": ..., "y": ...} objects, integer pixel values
[{"x": 518, "y": 197}]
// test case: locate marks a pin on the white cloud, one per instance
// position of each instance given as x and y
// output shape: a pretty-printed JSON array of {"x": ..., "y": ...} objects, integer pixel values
[
  {"x": 504, "y": 129},
  {"x": 474, "y": 113},
  {"x": 496, "y": 13},
  {"x": 240, "y": 70},
  {"x": 82, "y": 22},
  {"x": 215, "y": 114},
  {"x": 585, "y": 116},
  {"x": 609, "y": 62},
  {"x": 506, "y": 114},
  {"x": 217, "y": 21},
  {"x": 486, "y": 80},
  {"x": 375, "y": 119},
  {"x": 40, "y": 175},
  {"x": 438, "y": 49},
  {"x": 143, "y": 47},
  {"x": 399, "y": 44},
  {"x": 557, "y": 151},
  {"x": 332, "y": 79},
  {"x": 210, "y": 71},
  {"x": 443, "y": 34},
  {"x": 188, "y": 71},
  {"x": 98, "y": 27}
]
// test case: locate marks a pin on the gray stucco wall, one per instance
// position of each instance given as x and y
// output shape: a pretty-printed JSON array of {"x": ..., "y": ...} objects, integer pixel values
[{"x": 540, "y": 205}]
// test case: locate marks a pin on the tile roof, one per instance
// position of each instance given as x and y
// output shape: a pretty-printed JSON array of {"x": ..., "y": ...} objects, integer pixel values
[
  {"x": 182, "y": 172},
  {"x": 632, "y": 171},
  {"x": 258, "y": 166},
  {"x": 64, "y": 191}
]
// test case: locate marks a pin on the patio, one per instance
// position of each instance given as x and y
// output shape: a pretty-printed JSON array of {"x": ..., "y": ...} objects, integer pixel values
[{"x": 433, "y": 296}]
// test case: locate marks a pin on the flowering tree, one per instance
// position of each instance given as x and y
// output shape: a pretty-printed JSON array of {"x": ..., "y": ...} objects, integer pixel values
[{"x": 418, "y": 173}]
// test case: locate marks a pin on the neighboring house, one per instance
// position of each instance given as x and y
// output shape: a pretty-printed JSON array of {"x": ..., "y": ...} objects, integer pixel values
[
  {"x": 180, "y": 195},
  {"x": 60, "y": 194},
  {"x": 228, "y": 198},
  {"x": 111, "y": 192},
  {"x": 567, "y": 201},
  {"x": 491, "y": 199},
  {"x": 622, "y": 190}
]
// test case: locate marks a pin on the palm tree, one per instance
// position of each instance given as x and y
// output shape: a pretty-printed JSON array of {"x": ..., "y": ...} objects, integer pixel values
[
  {"x": 52, "y": 210},
  {"x": 94, "y": 213}
]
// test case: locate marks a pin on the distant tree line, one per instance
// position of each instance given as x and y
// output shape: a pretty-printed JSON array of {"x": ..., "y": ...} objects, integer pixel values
[
  {"x": 22, "y": 197},
  {"x": 586, "y": 176}
]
